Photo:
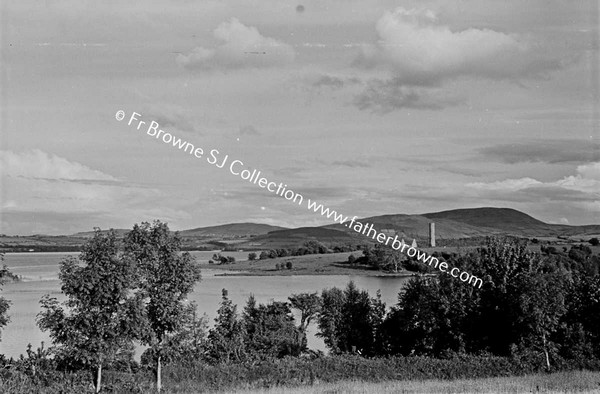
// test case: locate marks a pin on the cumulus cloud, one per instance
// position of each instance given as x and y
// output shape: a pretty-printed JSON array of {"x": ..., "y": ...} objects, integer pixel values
[
  {"x": 419, "y": 49},
  {"x": 241, "y": 46},
  {"x": 545, "y": 151}
]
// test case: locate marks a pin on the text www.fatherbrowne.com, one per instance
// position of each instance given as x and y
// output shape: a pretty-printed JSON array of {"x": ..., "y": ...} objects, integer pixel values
[{"x": 237, "y": 168}]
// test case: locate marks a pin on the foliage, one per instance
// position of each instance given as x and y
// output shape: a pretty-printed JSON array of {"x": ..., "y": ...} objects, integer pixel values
[
  {"x": 349, "y": 320},
  {"x": 269, "y": 331},
  {"x": 4, "y": 303},
  {"x": 166, "y": 277},
  {"x": 101, "y": 316},
  {"x": 226, "y": 338},
  {"x": 223, "y": 259}
]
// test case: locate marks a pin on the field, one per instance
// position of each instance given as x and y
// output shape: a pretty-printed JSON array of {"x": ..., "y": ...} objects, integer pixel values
[
  {"x": 313, "y": 264},
  {"x": 560, "y": 382}
]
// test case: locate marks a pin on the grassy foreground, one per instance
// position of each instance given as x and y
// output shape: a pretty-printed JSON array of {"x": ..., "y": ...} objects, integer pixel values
[{"x": 559, "y": 382}]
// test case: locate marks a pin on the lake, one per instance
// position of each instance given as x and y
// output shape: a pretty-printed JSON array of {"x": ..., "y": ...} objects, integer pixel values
[{"x": 40, "y": 276}]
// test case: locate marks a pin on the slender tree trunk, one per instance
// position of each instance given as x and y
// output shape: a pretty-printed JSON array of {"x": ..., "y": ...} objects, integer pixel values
[
  {"x": 158, "y": 375},
  {"x": 546, "y": 352},
  {"x": 98, "y": 378}
]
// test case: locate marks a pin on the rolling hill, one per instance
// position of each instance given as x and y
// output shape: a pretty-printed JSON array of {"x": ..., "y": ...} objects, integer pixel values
[
  {"x": 234, "y": 229},
  {"x": 469, "y": 223}
]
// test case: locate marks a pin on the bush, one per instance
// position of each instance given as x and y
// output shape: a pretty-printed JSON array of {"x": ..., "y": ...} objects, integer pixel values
[
  {"x": 252, "y": 256},
  {"x": 594, "y": 241},
  {"x": 288, "y": 265}
]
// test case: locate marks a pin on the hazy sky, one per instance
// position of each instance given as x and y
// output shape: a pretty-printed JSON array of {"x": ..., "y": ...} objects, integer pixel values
[{"x": 370, "y": 107}]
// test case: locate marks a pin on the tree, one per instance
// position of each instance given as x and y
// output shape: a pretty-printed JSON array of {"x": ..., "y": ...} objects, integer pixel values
[
  {"x": 4, "y": 303},
  {"x": 350, "y": 320},
  {"x": 252, "y": 256},
  {"x": 330, "y": 317},
  {"x": 166, "y": 278},
  {"x": 101, "y": 316},
  {"x": 270, "y": 332},
  {"x": 594, "y": 241},
  {"x": 186, "y": 345},
  {"x": 542, "y": 304},
  {"x": 226, "y": 338},
  {"x": 309, "y": 305}
]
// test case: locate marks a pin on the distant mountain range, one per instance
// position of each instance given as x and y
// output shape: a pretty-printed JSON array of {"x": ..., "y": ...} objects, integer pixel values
[{"x": 450, "y": 225}]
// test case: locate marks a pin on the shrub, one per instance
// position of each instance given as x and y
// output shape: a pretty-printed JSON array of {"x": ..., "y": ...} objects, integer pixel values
[
  {"x": 288, "y": 265},
  {"x": 252, "y": 256}
]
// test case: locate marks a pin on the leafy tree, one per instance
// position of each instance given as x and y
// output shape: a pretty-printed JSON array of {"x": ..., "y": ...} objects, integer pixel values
[
  {"x": 166, "y": 279},
  {"x": 330, "y": 317},
  {"x": 594, "y": 241},
  {"x": 542, "y": 304},
  {"x": 188, "y": 344},
  {"x": 226, "y": 338},
  {"x": 252, "y": 256},
  {"x": 4, "y": 303},
  {"x": 270, "y": 332},
  {"x": 309, "y": 305},
  {"x": 350, "y": 321},
  {"x": 101, "y": 316}
]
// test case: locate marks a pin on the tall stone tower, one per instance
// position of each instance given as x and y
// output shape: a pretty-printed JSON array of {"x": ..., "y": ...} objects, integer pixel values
[{"x": 432, "y": 234}]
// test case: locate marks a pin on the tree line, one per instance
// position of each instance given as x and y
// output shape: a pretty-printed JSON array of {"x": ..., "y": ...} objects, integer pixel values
[{"x": 541, "y": 309}]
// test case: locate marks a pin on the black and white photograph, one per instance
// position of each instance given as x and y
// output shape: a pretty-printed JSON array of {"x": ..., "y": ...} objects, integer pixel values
[{"x": 308, "y": 196}]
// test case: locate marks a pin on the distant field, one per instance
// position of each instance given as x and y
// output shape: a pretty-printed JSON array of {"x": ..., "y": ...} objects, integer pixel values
[
  {"x": 313, "y": 264},
  {"x": 560, "y": 382}
]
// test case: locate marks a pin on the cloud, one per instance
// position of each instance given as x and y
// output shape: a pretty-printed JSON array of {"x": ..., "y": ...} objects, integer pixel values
[
  {"x": 36, "y": 164},
  {"x": 420, "y": 50},
  {"x": 382, "y": 97},
  {"x": 580, "y": 189},
  {"x": 351, "y": 164},
  {"x": 37, "y": 185},
  {"x": 241, "y": 46},
  {"x": 335, "y": 82},
  {"x": 248, "y": 130},
  {"x": 174, "y": 117},
  {"x": 545, "y": 151}
]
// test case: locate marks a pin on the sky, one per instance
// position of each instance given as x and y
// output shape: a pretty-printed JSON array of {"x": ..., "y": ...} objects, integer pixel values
[{"x": 369, "y": 107}]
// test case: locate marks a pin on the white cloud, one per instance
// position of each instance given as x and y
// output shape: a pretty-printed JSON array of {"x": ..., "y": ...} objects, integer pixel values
[
  {"x": 38, "y": 164},
  {"x": 420, "y": 50},
  {"x": 581, "y": 189},
  {"x": 38, "y": 184},
  {"x": 242, "y": 46},
  {"x": 506, "y": 185}
]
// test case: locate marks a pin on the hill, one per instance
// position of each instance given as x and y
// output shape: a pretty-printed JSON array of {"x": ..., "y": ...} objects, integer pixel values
[
  {"x": 233, "y": 229},
  {"x": 294, "y": 238},
  {"x": 89, "y": 234},
  {"x": 509, "y": 221}
]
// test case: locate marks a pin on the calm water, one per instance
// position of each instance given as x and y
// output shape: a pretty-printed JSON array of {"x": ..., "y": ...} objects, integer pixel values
[{"x": 40, "y": 276}]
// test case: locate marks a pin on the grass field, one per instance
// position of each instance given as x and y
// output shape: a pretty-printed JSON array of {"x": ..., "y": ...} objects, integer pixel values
[
  {"x": 560, "y": 382},
  {"x": 313, "y": 264}
]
